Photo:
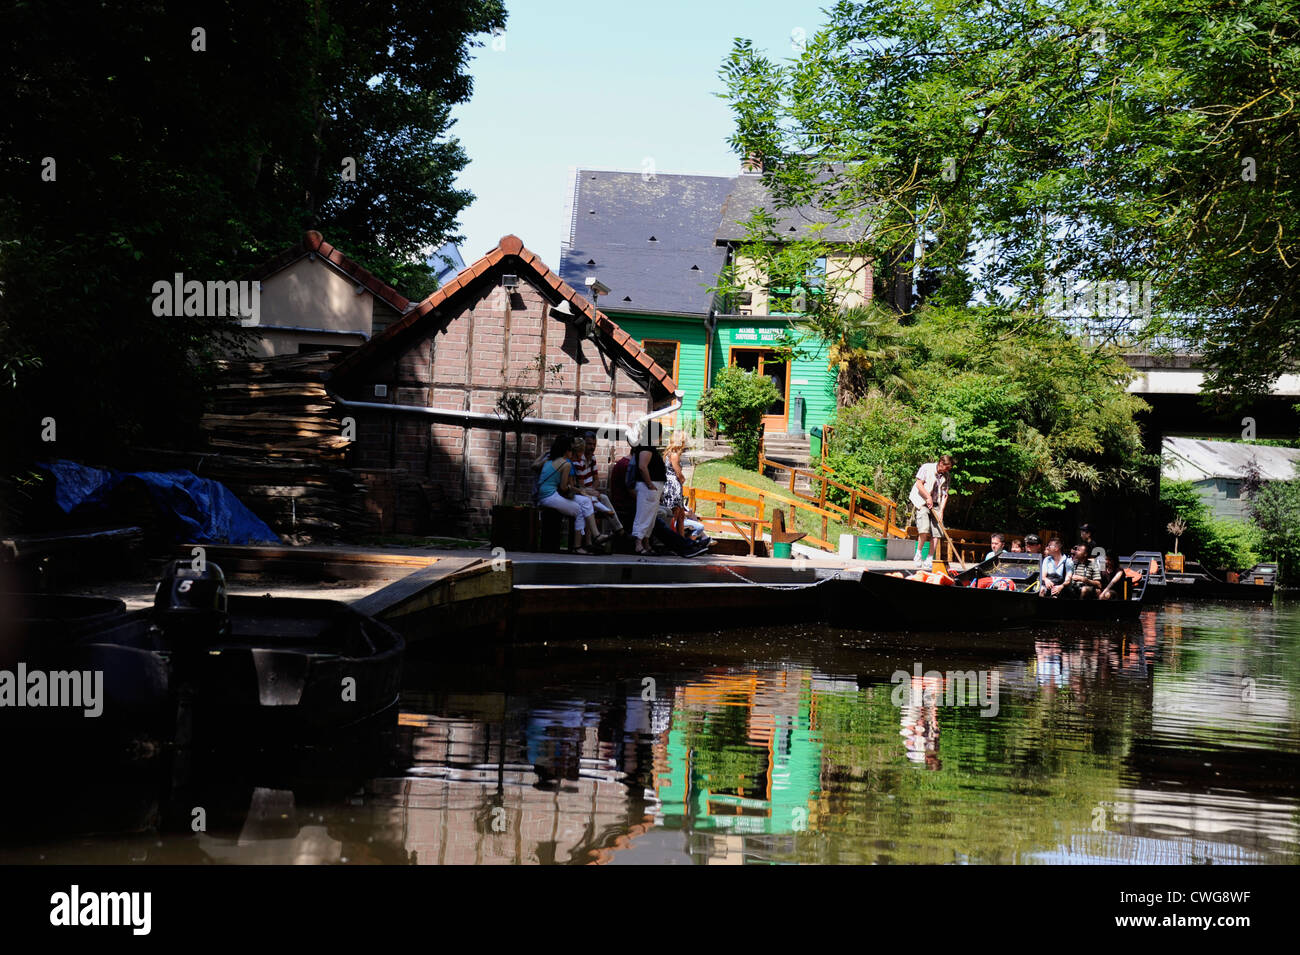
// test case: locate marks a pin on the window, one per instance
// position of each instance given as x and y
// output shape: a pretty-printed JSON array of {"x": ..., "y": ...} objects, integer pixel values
[
  {"x": 789, "y": 296},
  {"x": 664, "y": 353}
]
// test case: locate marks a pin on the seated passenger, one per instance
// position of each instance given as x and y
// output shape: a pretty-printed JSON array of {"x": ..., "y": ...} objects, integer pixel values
[
  {"x": 1114, "y": 580},
  {"x": 1055, "y": 572},
  {"x": 998, "y": 542},
  {"x": 1017, "y": 546},
  {"x": 555, "y": 490},
  {"x": 584, "y": 476},
  {"x": 1085, "y": 577}
]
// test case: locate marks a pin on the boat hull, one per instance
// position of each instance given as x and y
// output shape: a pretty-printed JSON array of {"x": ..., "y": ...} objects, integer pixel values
[
  {"x": 902, "y": 604},
  {"x": 288, "y": 669}
]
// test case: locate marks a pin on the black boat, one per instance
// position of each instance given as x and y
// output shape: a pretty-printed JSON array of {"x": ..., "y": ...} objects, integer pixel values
[
  {"x": 1197, "y": 583},
  {"x": 1152, "y": 563},
  {"x": 202, "y": 665},
  {"x": 901, "y": 603}
]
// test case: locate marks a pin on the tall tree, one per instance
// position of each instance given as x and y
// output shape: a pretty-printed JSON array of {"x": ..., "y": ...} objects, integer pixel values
[
  {"x": 1052, "y": 143},
  {"x": 142, "y": 140}
]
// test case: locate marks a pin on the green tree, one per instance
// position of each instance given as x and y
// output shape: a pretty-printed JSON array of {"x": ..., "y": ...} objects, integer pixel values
[
  {"x": 1050, "y": 142},
  {"x": 1216, "y": 542},
  {"x": 1275, "y": 509},
  {"x": 737, "y": 401},
  {"x": 130, "y": 155},
  {"x": 1032, "y": 415}
]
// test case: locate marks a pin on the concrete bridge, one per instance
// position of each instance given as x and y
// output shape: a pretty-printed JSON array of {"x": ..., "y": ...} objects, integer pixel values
[{"x": 1171, "y": 385}]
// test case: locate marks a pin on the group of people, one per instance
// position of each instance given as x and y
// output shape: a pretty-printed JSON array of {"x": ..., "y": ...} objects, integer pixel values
[
  {"x": 1087, "y": 572},
  {"x": 645, "y": 493}
]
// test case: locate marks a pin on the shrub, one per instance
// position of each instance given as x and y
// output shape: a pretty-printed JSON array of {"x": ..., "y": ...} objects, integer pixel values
[
  {"x": 1276, "y": 510},
  {"x": 1216, "y": 542},
  {"x": 737, "y": 402},
  {"x": 1032, "y": 416}
]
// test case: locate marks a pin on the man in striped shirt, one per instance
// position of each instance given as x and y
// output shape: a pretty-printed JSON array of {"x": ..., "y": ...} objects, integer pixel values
[{"x": 584, "y": 475}]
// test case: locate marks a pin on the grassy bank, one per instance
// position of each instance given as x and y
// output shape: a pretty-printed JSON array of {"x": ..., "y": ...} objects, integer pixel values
[{"x": 707, "y": 476}]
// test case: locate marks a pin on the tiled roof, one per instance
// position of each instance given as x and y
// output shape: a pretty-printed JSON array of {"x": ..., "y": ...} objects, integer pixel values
[
  {"x": 805, "y": 222},
  {"x": 510, "y": 255},
  {"x": 314, "y": 242},
  {"x": 649, "y": 238},
  {"x": 659, "y": 241}
]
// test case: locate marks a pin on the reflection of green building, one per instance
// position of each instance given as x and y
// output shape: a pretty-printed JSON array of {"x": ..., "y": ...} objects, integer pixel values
[
  {"x": 743, "y": 756},
  {"x": 662, "y": 242}
]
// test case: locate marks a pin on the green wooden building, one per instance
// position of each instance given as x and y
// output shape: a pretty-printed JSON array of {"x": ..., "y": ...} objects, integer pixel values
[{"x": 660, "y": 243}]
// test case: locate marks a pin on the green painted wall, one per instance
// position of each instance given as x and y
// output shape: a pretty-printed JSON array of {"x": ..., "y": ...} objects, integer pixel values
[
  {"x": 690, "y": 356},
  {"x": 810, "y": 377}
]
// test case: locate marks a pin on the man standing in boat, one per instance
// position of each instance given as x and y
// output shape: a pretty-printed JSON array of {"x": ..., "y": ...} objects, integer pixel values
[{"x": 929, "y": 496}]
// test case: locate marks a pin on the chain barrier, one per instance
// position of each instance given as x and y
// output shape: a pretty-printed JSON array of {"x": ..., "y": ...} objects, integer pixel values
[{"x": 824, "y": 580}]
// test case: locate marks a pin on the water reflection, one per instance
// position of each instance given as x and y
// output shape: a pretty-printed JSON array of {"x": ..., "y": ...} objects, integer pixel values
[{"x": 1175, "y": 741}]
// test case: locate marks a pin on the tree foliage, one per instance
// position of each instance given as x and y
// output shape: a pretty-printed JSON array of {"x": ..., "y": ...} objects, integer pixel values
[
  {"x": 1216, "y": 542},
  {"x": 999, "y": 148},
  {"x": 167, "y": 159},
  {"x": 1275, "y": 510},
  {"x": 1031, "y": 415}
]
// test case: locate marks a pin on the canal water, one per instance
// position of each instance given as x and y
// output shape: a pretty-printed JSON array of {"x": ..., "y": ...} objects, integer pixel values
[{"x": 1176, "y": 740}]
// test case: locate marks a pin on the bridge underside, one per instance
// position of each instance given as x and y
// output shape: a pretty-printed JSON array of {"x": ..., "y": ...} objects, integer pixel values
[{"x": 1133, "y": 521}]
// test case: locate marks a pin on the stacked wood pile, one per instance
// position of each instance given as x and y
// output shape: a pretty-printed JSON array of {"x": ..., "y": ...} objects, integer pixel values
[
  {"x": 276, "y": 440},
  {"x": 280, "y": 447}
]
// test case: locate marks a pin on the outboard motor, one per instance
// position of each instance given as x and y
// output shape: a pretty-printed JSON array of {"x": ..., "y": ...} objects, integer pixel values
[{"x": 190, "y": 605}]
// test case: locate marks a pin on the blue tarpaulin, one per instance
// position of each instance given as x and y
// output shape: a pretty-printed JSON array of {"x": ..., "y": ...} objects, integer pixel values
[{"x": 198, "y": 510}]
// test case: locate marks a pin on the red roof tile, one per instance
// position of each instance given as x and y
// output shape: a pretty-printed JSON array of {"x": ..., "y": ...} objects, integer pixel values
[{"x": 510, "y": 247}]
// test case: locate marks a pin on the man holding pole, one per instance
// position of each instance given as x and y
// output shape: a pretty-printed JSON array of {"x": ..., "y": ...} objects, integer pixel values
[{"x": 929, "y": 496}]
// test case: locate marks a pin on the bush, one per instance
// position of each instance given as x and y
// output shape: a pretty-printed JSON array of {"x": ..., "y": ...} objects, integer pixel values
[
  {"x": 1032, "y": 417},
  {"x": 1216, "y": 542},
  {"x": 737, "y": 402},
  {"x": 1276, "y": 510}
]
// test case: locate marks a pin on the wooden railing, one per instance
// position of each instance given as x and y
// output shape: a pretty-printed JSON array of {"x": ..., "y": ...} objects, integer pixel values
[
  {"x": 860, "y": 498},
  {"x": 761, "y": 499},
  {"x": 725, "y": 518}
]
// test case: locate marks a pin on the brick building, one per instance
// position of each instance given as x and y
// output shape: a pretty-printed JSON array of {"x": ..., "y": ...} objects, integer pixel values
[{"x": 425, "y": 391}]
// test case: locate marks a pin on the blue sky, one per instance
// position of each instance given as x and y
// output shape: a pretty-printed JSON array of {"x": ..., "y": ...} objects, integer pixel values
[{"x": 642, "y": 87}]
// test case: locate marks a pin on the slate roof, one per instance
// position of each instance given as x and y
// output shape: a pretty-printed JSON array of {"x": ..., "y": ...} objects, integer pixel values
[
  {"x": 1191, "y": 459},
  {"x": 749, "y": 193},
  {"x": 692, "y": 218},
  {"x": 510, "y": 255},
  {"x": 614, "y": 217}
]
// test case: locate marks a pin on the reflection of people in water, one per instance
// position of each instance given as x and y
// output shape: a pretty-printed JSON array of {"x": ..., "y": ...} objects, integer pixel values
[{"x": 920, "y": 721}]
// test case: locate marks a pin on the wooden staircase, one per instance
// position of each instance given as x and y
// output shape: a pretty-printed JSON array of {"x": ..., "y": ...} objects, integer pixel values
[{"x": 791, "y": 450}]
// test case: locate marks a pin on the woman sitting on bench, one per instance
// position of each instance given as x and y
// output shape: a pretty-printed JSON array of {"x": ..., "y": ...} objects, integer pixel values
[{"x": 556, "y": 490}]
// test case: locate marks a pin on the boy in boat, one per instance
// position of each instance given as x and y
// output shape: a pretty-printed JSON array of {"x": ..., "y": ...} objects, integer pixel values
[
  {"x": 1114, "y": 579},
  {"x": 1084, "y": 582},
  {"x": 929, "y": 496},
  {"x": 1056, "y": 570}
]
